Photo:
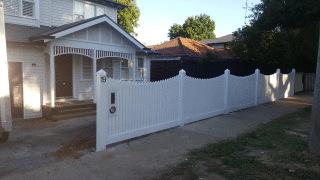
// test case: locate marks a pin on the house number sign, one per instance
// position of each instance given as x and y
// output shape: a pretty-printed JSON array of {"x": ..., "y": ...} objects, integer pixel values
[{"x": 104, "y": 79}]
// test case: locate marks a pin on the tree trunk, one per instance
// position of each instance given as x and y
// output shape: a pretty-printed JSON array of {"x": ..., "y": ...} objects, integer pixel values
[{"x": 314, "y": 137}]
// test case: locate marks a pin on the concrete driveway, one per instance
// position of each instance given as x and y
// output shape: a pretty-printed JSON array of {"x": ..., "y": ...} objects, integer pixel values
[{"x": 146, "y": 157}]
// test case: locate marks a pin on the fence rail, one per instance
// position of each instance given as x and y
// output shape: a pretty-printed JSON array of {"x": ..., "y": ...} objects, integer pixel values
[{"x": 130, "y": 109}]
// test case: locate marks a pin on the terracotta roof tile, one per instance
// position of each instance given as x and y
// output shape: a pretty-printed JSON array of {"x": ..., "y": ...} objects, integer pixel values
[{"x": 184, "y": 47}]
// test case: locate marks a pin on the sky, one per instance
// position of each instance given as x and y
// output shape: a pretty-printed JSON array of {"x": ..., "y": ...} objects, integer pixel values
[{"x": 157, "y": 16}]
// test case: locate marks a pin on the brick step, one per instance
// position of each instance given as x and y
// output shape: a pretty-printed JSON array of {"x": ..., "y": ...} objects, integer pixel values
[
  {"x": 68, "y": 110},
  {"x": 60, "y": 117},
  {"x": 75, "y": 110},
  {"x": 75, "y": 106}
]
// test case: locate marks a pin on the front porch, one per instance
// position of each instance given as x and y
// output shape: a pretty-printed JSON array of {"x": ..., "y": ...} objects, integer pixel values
[
  {"x": 72, "y": 71},
  {"x": 74, "y": 74},
  {"x": 74, "y": 53}
]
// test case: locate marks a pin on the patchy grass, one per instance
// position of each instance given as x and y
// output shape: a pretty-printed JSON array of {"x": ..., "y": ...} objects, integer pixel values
[{"x": 275, "y": 150}]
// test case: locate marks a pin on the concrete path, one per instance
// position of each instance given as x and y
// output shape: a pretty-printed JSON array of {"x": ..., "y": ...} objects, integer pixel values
[{"x": 147, "y": 157}]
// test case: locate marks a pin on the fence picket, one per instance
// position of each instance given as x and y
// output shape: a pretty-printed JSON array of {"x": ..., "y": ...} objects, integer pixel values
[{"x": 146, "y": 107}]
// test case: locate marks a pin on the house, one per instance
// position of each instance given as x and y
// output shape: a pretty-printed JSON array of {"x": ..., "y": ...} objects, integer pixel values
[
  {"x": 181, "y": 53},
  {"x": 185, "y": 49},
  {"x": 219, "y": 43},
  {"x": 55, "y": 48}
]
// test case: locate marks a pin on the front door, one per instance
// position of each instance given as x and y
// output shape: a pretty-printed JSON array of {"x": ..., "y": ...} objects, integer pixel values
[
  {"x": 63, "y": 70},
  {"x": 16, "y": 93}
]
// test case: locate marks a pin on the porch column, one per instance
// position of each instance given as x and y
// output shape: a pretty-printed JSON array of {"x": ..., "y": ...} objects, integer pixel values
[
  {"x": 94, "y": 66},
  {"x": 135, "y": 66},
  {"x": 52, "y": 77},
  {"x": 145, "y": 68}
]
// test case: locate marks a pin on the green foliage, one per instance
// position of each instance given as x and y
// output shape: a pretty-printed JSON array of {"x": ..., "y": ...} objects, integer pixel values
[
  {"x": 282, "y": 33},
  {"x": 209, "y": 57},
  {"x": 195, "y": 27},
  {"x": 285, "y": 14},
  {"x": 175, "y": 31},
  {"x": 128, "y": 17}
]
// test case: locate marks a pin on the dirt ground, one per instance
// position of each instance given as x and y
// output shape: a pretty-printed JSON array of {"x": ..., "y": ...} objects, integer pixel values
[
  {"x": 42, "y": 149},
  {"x": 34, "y": 143}
]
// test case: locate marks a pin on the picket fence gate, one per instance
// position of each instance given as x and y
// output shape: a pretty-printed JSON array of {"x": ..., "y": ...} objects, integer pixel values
[{"x": 130, "y": 109}]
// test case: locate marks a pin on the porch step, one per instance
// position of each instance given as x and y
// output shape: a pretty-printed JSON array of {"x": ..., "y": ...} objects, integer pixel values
[
  {"x": 76, "y": 111},
  {"x": 69, "y": 110},
  {"x": 73, "y": 115}
]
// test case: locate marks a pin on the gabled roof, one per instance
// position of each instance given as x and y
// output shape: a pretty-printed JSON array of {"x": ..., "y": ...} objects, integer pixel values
[
  {"x": 80, "y": 25},
  {"x": 21, "y": 34},
  {"x": 184, "y": 47},
  {"x": 49, "y": 34},
  {"x": 220, "y": 40},
  {"x": 181, "y": 47}
]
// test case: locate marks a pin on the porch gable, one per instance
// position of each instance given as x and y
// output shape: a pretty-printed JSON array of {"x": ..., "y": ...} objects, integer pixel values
[
  {"x": 79, "y": 28},
  {"x": 101, "y": 33}
]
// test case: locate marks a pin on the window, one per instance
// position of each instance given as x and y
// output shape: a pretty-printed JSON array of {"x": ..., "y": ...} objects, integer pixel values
[
  {"x": 140, "y": 68},
  {"x": 106, "y": 65},
  {"x": 86, "y": 68},
  {"x": 126, "y": 66},
  {"x": 24, "y": 8},
  {"x": 84, "y": 10},
  {"x": 28, "y": 8},
  {"x": 78, "y": 11},
  {"x": 88, "y": 11}
]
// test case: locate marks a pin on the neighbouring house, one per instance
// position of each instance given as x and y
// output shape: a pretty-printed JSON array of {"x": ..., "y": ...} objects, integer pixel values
[
  {"x": 182, "y": 53},
  {"x": 186, "y": 49},
  {"x": 219, "y": 43},
  {"x": 55, "y": 48}
]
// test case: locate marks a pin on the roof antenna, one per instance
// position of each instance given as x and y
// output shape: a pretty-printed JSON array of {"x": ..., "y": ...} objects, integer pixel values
[{"x": 245, "y": 16}]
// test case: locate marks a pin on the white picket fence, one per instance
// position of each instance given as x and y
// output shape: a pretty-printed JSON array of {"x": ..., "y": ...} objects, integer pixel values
[{"x": 146, "y": 107}]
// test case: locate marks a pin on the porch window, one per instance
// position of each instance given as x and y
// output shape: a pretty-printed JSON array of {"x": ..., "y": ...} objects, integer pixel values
[
  {"x": 106, "y": 65},
  {"x": 86, "y": 68},
  {"x": 140, "y": 69},
  {"x": 84, "y": 10},
  {"x": 24, "y": 8},
  {"x": 125, "y": 68}
]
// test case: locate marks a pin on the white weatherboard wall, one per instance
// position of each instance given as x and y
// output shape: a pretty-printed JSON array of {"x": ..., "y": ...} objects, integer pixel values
[
  {"x": 143, "y": 108},
  {"x": 54, "y": 13},
  {"x": 33, "y": 65}
]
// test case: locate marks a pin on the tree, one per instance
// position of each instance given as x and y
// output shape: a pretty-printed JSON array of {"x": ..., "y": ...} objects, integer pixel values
[
  {"x": 195, "y": 27},
  {"x": 284, "y": 49},
  {"x": 175, "y": 31},
  {"x": 295, "y": 16},
  {"x": 128, "y": 17}
]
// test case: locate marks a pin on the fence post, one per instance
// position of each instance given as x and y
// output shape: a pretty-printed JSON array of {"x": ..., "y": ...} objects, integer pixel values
[
  {"x": 182, "y": 74},
  {"x": 226, "y": 90},
  {"x": 257, "y": 73},
  {"x": 278, "y": 83},
  {"x": 101, "y": 123}
]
